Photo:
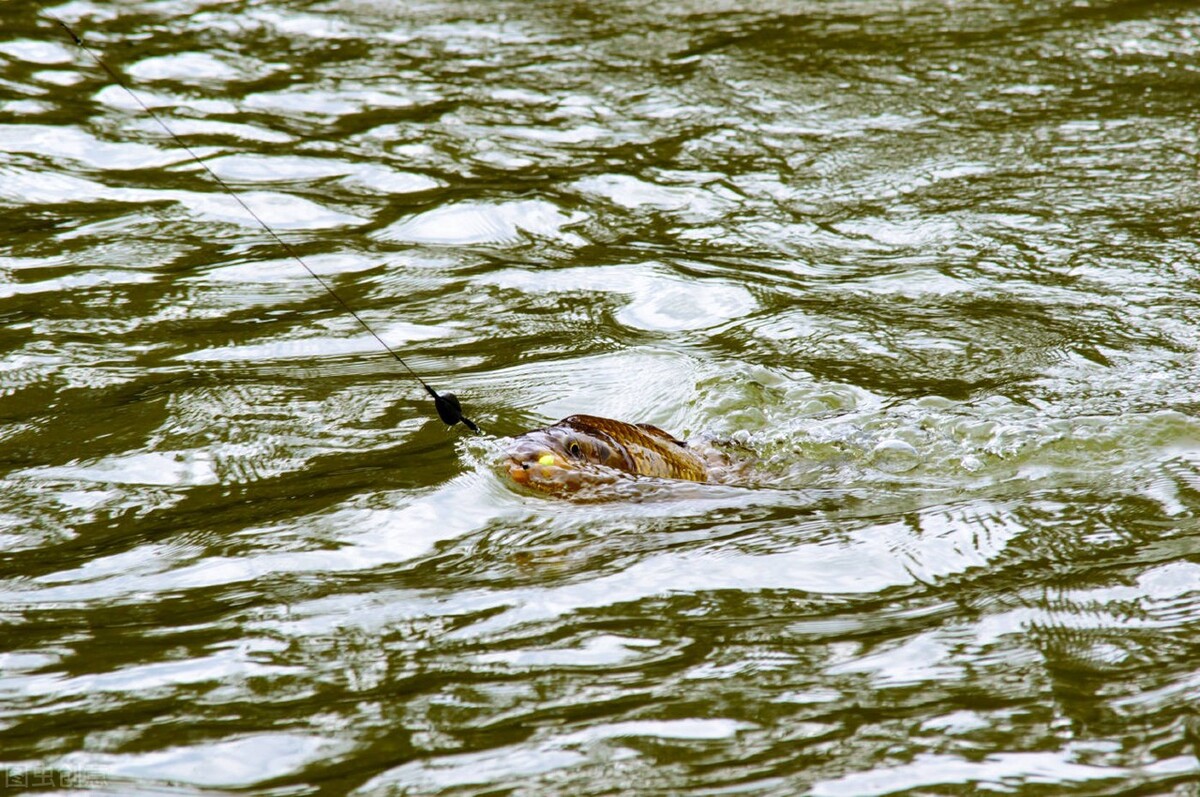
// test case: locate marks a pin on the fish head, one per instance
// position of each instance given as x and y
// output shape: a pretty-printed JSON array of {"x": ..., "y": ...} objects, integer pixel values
[{"x": 565, "y": 458}]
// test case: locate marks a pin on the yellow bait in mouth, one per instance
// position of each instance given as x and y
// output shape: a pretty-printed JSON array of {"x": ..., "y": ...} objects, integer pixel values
[{"x": 546, "y": 459}]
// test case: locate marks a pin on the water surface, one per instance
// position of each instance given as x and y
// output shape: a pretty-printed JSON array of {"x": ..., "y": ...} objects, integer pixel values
[{"x": 929, "y": 268}]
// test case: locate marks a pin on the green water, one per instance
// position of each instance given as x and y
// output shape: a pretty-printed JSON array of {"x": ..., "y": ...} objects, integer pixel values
[{"x": 930, "y": 268}]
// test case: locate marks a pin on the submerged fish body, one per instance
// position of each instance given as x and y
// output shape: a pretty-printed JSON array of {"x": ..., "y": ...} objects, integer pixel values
[{"x": 584, "y": 450}]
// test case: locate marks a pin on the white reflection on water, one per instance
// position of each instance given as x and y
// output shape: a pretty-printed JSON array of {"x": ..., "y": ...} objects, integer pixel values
[
  {"x": 997, "y": 772},
  {"x": 509, "y": 764},
  {"x": 599, "y": 651},
  {"x": 658, "y": 301},
  {"x": 395, "y": 334},
  {"x": 239, "y": 762},
  {"x": 56, "y": 141},
  {"x": 239, "y": 664},
  {"x": 281, "y": 211},
  {"x": 484, "y": 222},
  {"x": 185, "y": 68},
  {"x": 38, "y": 52},
  {"x": 177, "y": 468}
]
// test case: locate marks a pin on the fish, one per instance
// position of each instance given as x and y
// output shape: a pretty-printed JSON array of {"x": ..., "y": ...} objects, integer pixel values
[{"x": 585, "y": 450}]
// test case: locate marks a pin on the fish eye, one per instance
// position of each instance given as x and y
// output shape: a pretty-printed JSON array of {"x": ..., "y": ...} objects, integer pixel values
[{"x": 574, "y": 450}]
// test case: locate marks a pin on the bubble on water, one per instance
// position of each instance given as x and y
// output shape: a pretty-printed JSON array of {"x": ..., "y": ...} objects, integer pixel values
[
  {"x": 895, "y": 456},
  {"x": 677, "y": 306},
  {"x": 483, "y": 223},
  {"x": 971, "y": 463}
]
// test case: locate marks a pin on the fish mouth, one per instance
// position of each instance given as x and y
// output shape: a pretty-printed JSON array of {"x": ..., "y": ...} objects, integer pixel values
[
  {"x": 559, "y": 476},
  {"x": 540, "y": 473},
  {"x": 517, "y": 471}
]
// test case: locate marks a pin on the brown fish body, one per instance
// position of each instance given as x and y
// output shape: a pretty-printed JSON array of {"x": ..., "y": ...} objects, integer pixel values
[{"x": 584, "y": 449}]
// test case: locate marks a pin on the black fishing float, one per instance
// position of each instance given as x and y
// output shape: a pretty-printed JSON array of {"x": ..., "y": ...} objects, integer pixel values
[{"x": 448, "y": 407}]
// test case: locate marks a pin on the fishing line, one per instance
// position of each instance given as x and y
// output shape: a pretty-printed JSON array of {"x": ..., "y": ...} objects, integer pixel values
[{"x": 448, "y": 407}]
